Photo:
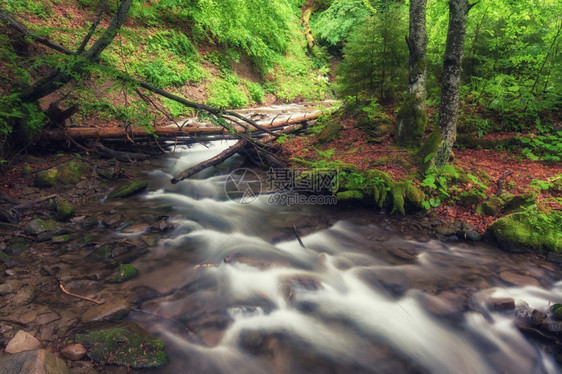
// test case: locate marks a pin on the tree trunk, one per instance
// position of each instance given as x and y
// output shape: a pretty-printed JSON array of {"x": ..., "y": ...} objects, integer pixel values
[
  {"x": 411, "y": 119},
  {"x": 448, "y": 110},
  {"x": 58, "y": 78}
]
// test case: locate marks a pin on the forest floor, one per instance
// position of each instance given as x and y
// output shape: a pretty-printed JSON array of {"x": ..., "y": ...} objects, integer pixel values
[{"x": 516, "y": 173}]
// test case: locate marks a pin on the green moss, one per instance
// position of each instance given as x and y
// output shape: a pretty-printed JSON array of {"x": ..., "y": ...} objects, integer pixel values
[
  {"x": 489, "y": 208},
  {"x": 410, "y": 123},
  {"x": 122, "y": 346},
  {"x": 517, "y": 230},
  {"x": 37, "y": 226},
  {"x": 429, "y": 149},
  {"x": 349, "y": 195},
  {"x": 556, "y": 310},
  {"x": 516, "y": 202},
  {"x": 64, "y": 210},
  {"x": 71, "y": 172},
  {"x": 127, "y": 189},
  {"x": 18, "y": 245},
  {"x": 46, "y": 178},
  {"x": 125, "y": 272},
  {"x": 414, "y": 196}
]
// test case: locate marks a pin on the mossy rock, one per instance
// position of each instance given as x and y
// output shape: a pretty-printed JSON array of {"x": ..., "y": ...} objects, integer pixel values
[
  {"x": 126, "y": 344},
  {"x": 18, "y": 245},
  {"x": 46, "y": 178},
  {"x": 38, "y": 226},
  {"x": 64, "y": 210},
  {"x": 5, "y": 258},
  {"x": 349, "y": 195},
  {"x": 61, "y": 238},
  {"x": 516, "y": 202},
  {"x": 123, "y": 273},
  {"x": 67, "y": 173},
  {"x": 556, "y": 310},
  {"x": 471, "y": 141},
  {"x": 428, "y": 150},
  {"x": 128, "y": 189},
  {"x": 515, "y": 233},
  {"x": 103, "y": 252},
  {"x": 488, "y": 208}
]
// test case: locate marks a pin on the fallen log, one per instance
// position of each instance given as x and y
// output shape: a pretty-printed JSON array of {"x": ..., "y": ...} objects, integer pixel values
[
  {"x": 86, "y": 133},
  {"x": 230, "y": 151},
  {"x": 213, "y": 161}
]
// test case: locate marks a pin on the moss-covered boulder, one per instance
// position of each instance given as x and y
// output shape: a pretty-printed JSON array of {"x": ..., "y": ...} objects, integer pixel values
[
  {"x": 126, "y": 344},
  {"x": 64, "y": 210},
  {"x": 38, "y": 226},
  {"x": 515, "y": 203},
  {"x": 67, "y": 173},
  {"x": 518, "y": 232},
  {"x": 128, "y": 189},
  {"x": 349, "y": 195},
  {"x": 18, "y": 245},
  {"x": 489, "y": 208}
]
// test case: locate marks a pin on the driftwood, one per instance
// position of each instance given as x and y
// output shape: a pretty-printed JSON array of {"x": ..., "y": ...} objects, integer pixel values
[{"x": 61, "y": 286}]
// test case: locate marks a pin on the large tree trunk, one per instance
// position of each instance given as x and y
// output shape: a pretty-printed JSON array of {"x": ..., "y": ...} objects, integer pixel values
[
  {"x": 58, "y": 78},
  {"x": 411, "y": 119},
  {"x": 448, "y": 110}
]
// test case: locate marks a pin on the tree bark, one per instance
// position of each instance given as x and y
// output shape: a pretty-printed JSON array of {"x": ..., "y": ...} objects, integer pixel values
[
  {"x": 412, "y": 119},
  {"x": 448, "y": 110}
]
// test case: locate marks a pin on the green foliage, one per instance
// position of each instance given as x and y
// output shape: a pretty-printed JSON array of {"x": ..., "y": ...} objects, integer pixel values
[
  {"x": 375, "y": 57},
  {"x": 334, "y": 25},
  {"x": 41, "y": 9},
  {"x": 174, "y": 42},
  {"x": 175, "y": 109},
  {"x": 226, "y": 93},
  {"x": 256, "y": 92},
  {"x": 546, "y": 146}
]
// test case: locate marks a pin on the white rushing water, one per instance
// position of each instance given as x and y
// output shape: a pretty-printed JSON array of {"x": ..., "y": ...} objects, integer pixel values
[{"x": 260, "y": 305}]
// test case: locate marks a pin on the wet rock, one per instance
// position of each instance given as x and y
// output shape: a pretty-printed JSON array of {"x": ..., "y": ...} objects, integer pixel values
[
  {"x": 538, "y": 318},
  {"x": 18, "y": 245},
  {"x": 33, "y": 362},
  {"x": 5, "y": 258},
  {"x": 46, "y": 318},
  {"x": 9, "y": 287},
  {"x": 38, "y": 226},
  {"x": 445, "y": 304},
  {"x": 251, "y": 340},
  {"x": 74, "y": 352},
  {"x": 46, "y": 178},
  {"x": 139, "y": 229},
  {"x": 126, "y": 344},
  {"x": 103, "y": 251},
  {"x": 25, "y": 296},
  {"x": 556, "y": 310},
  {"x": 112, "y": 221},
  {"x": 445, "y": 230},
  {"x": 472, "y": 236},
  {"x": 501, "y": 304},
  {"x": 107, "y": 173},
  {"x": 64, "y": 210},
  {"x": 22, "y": 342},
  {"x": 518, "y": 279},
  {"x": 164, "y": 225},
  {"x": 123, "y": 273},
  {"x": 150, "y": 240},
  {"x": 60, "y": 238},
  {"x": 114, "y": 309},
  {"x": 128, "y": 189}
]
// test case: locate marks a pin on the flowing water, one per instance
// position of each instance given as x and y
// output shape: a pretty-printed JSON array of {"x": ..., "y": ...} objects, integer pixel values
[{"x": 231, "y": 289}]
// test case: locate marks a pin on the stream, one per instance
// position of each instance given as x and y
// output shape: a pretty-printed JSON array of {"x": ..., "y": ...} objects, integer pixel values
[{"x": 231, "y": 289}]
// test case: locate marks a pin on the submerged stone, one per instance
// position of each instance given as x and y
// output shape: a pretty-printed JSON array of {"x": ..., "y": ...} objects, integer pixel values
[
  {"x": 110, "y": 311},
  {"x": 33, "y": 362},
  {"x": 127, "y": 344},
  {"x": 127, "y": 189},
  {"x": 122, "y": 273},
  {"x": 18, "y": 245},
  {"x": 64, "y": 210},
  {"x": 38, "y": 226},
  {"x": 22, "y": 342},
  {"x": 556, "y": 310}
]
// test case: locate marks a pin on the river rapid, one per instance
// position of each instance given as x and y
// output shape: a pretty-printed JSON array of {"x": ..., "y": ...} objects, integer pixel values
[{"x": 231, "y": 289}]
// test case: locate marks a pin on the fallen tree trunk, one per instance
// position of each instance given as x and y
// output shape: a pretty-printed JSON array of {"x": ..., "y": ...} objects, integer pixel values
[
  {"x": 230, "y": 151},
  {"x": 213, "y": 161},
  {"x": 87, "y": 133}
]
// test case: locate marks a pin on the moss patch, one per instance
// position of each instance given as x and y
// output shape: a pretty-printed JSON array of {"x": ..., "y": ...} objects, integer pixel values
[
  {"x": 428, "y": 150},
  {"x": 64, "y": 210},
  {"x": 556, "y": 310},
  {"x": 330, "y": 131},
  {"x": 123, "y": 273},
  {"x": 128, "y": 189},
  {"x": 67, "y": 173},
  {"x": 516, "y": 231},
  {"x": 349, "y": 195},
  {"x": 124, "y": 345}
]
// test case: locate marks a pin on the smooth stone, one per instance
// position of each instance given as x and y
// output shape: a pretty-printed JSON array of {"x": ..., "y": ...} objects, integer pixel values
[
  {"x": 501, "y": 304},
  {"x": 472, "y": 236},
  {"x": 139, "y": 229},
  {"x": 33, "y": 362},
  {"x": 22, "y": 342},
  {"x": 74, "y": 352},
  {"x": 112, "y": 310},
  {"x": 45, "y": 318},
  {"x": 518, "y": 279},
  {"x": 25, "y": 296},
  {"x": 38, "y": 226}
]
